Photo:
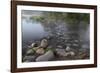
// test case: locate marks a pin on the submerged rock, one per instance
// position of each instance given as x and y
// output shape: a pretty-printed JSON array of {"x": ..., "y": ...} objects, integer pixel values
[{"x": 46, "y": 57}]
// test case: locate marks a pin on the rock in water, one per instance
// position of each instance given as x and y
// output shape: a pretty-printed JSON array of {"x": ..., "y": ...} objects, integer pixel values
[
  {"x": 61, "y": 52},
  {"x": 44, "y": 43},
  {"x": 68, "y": 48},
  {"x": 40, "y": 51},
  {"x": 46, "y": 57},
  {"x": 71, "y": 53},
  {"x": 28, "y": 58},
  {"x": 32, "y": 45},
  {"x": 30, "y": 52},
  {"x": 35, "y": 48}
]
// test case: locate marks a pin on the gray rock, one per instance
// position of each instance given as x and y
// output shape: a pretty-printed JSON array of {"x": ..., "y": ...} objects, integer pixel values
[
  {"x": 68, "y": 48},
  {"x": 44, "y": 43},
  {"x": 45, "y": 57},
  {"x": 30, "y": 52},
  {"x": 61, "y": 52},
  {"x": 71, "y": 53},
  {"x": 29, "y": 58},
  {"x": 59, "y": 47},
  {"x": 76, "y": 40},
  {"x": 76, "y": 45},
  {"x": 32, "y": 45}
]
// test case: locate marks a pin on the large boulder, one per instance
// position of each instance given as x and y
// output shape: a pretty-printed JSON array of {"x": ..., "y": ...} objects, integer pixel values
[
  {"x": 29, "y": 58},
  {"x": 49, "y": 55},
  {"x": 30, "y": 52},
  {"x": 44, "y": 43},
  {"x": 40, "y": 51}
]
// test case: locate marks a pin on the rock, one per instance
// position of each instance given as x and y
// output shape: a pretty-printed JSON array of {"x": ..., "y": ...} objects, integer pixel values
[
  {"x": 45, "y": 57},
  {"x": 61, "y": 52},
  {"x": 30, "y": 52},
  {"x": 32, "y": 45},
  {"x": 71, "y": 53},
  {"x": 35, "y": 48},
  {"x": 44, "y": 43},
  {"x": 68, "y": 48},
  {"x": 76, "y": 41},
  {"x": 76, "y": 45},
  {"x": 82, "y": 56},
  {"x": 28, "y": 58},
  {"x": 40, "y": 51},
  {"x": 59, "y": 47}
]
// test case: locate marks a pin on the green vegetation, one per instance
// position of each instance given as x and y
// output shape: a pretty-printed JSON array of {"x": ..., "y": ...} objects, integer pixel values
[
  {"x": 52, "y": 20},
  {"x": 70, "y": 18},
  {"x": 75, "y": 18},
  {"x": 47, "y": 49}
]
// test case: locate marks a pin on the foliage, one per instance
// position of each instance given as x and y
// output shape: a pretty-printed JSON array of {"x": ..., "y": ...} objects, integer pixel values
[{"x": 70, "y": 18}]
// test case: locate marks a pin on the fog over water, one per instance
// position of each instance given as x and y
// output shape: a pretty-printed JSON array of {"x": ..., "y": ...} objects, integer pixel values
[{"x": 61, "y": 31}]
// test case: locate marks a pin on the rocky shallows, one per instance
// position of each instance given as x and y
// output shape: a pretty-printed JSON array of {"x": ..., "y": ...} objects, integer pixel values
[{"x": 44, "y": 51}]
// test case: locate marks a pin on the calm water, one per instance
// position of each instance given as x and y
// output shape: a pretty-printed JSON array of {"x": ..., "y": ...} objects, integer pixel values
[{"x": 32, "y": 30}]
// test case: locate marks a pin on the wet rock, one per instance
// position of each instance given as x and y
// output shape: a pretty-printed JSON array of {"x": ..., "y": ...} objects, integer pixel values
[
  {"x": 40, "y": 51},
  {"x": 68, "y": 48},
  {"x": 29, "y": 58},
  {"x": 35, "y": 48},
  {"x": 71, "y": 53},
  {"x": 32, "y": 45},
  {"x": 30, "y": 52},
  {"x": 44, "y": 43},
  {"x": 76, "y": 41},
  {"x": 61, "y": 52},
  {"x": 46, "y": 57},
  {"x": 82, "y": 55},
  {"x": 76, "y": 45},
  {"x": 59, "y": 47}
]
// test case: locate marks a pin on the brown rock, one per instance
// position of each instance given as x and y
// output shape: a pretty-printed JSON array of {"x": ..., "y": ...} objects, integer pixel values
[{"x": 40, "y": 51}]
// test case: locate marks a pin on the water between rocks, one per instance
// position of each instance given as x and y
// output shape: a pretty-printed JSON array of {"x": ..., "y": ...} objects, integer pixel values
[{"x": 33, "y": 31}]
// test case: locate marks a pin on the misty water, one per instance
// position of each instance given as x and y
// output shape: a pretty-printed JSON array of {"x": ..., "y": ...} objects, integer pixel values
[
  {"x": 58, "y": 35},
  {"x": 32, "y": 30}
]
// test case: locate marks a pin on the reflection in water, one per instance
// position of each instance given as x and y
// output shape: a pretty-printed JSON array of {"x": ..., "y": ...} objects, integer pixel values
[{"x": 32, "y": 30}]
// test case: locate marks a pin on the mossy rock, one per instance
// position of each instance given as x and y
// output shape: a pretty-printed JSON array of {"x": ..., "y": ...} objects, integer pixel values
[
  {"x": 30, "y": 52},
  {"x": 47, "y": 49}
]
